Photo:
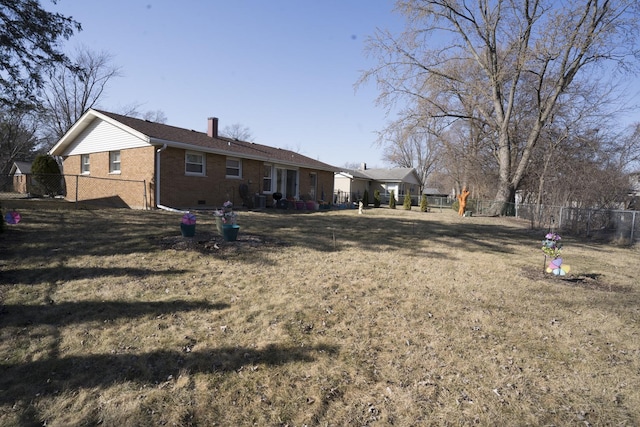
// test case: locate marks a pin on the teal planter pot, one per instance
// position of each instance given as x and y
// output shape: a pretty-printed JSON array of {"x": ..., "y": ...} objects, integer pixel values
[
  {"x": 230, "y": 232},
  {"x": 188, "y": 230}
]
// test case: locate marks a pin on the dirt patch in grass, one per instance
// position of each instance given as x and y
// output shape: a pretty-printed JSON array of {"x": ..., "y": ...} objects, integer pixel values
[
  {"x": 585, "y": 281},
  {"x": 214, "y": 244}
]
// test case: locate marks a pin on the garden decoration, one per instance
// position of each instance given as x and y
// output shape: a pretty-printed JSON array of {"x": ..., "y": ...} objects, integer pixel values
[
  {"x": 225, "y": 217},
  {"x": 462, "y": 199},
  {"x": 552, "y": 246},
  {"x": 12, "y": 217},
  {"x": 557, "y": 267},
  {"x": 188, "y": 225}
]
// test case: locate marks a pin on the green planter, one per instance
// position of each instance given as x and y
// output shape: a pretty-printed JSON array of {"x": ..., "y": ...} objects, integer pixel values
[
  {"x": 230, "y": 232},
  {"x": 188, "y": 230}
]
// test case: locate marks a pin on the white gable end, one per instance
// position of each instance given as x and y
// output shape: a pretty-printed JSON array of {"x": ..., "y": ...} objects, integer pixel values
[{"x": 100, "y": 136}]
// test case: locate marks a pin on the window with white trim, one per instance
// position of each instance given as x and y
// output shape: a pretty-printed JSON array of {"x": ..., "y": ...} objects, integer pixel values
[
  {"x": 234, "y": 168},
  {"x": 194, "y": 163},
  {"x": 313, "y": 185},
  {"x": 114, "y": 161},
  {"x": 84, "y": 164},
  {"x": 267, "y": 178}
]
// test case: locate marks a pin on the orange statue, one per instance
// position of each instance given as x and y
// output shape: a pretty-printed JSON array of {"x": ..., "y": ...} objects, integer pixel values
[{"x": 462, "y": 199}]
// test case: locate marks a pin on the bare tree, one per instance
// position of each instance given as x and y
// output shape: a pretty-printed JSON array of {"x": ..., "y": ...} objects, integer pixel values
[
  {"x": 17, "y": 137},
  {"x": 411, "y": 143},
  {"x": 133, "y": 110},
  {"x": 627, "y": 151},
  {"x": 538, "y": 46},
  {"x": 70, "y": 92},
  {"x": 237, "y": 131},
  {"x": 156, "y": 116}
]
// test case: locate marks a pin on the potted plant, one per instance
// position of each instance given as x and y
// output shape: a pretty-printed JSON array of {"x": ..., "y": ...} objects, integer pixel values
[
  {"x": 226, "y": 221},
  {"x": 188, "y": 225}
]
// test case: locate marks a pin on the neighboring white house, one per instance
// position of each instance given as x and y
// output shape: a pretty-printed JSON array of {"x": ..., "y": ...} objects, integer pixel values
[
  {"x": 350, "y": 184},
  {"x": 634, "y": 191}
]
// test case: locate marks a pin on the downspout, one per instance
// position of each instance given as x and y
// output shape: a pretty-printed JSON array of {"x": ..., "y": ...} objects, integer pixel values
[
  {"x": 158, "y": 151},
  {"x": 158, "y": 205}
]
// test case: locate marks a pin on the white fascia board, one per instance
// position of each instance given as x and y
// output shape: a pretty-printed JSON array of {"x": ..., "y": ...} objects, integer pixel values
[{"x": 344, "y": 174}]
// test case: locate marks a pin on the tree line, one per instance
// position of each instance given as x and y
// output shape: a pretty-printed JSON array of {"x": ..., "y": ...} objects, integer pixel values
[
  {"x": 512, "y": 97},
  {"x": 44, "y": 91},
  {"x": 504, "y": 97}
]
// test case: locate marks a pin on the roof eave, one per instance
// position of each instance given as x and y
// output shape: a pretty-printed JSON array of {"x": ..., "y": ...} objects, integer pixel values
[{"x": 186, "y": 146}]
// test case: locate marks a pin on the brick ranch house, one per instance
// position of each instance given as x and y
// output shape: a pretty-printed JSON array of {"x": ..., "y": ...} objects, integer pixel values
[{"x": 156, "y": 165}]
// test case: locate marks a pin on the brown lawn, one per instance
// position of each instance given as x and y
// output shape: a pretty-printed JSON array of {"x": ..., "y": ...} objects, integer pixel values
[{"x": 110, "y": 317}]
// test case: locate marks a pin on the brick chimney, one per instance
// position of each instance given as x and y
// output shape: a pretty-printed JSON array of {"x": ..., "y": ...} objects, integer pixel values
[{"x": 212, "y": 128}]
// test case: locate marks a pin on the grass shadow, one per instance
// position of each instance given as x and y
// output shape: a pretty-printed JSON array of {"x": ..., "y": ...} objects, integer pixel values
[
  {"x": 53, "y": 274},
  {"x": 56, "y": 375},
  {"x": 63, "y": 314}
]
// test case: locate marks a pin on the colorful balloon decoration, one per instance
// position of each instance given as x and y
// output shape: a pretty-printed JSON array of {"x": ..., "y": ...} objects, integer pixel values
[
  {"x": 558, "y": 268},
  {"x": 12, "y": 217}
]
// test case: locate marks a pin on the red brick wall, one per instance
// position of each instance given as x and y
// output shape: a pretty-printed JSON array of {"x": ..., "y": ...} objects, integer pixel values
[
  {"x": 136, "y": 164},
  {"x": 211, "y": 190},
  {"x": 177, "y": 190}
]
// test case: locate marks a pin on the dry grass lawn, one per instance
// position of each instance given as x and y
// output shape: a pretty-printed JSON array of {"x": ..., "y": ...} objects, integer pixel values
[{"x": 321, "y": 319}]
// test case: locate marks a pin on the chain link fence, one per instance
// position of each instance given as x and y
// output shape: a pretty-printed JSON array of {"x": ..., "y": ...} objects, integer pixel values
[
  {"x": 610, "y": 225},
  {"x": 83, "y": 190},
  {"x": 618, "y": 226}
]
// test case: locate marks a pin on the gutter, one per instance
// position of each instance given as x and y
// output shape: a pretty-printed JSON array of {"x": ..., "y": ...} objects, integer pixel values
[{"x": 158, "y": 151}]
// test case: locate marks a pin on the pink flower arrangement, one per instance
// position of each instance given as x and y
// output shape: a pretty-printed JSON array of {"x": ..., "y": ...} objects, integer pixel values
[{"x": 189, "y": 219}]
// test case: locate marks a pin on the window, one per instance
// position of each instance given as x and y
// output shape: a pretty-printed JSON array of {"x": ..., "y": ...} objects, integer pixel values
[
  {"x": 267, "y": 178},
  {"x": 84, "y": 163},
  {"x": 313, "y": 185},
  {"x": 234, "y": 168},
  {"x": 114, "y": 162},
  {"x": 194, "y": 163}
]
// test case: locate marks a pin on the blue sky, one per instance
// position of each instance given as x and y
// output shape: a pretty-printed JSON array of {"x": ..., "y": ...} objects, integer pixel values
[{"x": 285, "y": 69}]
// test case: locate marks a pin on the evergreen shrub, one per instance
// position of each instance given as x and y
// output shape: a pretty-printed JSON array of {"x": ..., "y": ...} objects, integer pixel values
[
  {"x": 47, "y": 179},
  {"x": 376, "y": 199},
  {"x": 424, "y": 205},
  {"x": 407, "y": 202}
]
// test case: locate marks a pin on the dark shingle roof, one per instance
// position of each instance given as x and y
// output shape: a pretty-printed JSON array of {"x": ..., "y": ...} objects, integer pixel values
[
  {"x": 222, "y": 145},
  {"x": 394, "y": 174},
  {"x": 24, "y": 167}
]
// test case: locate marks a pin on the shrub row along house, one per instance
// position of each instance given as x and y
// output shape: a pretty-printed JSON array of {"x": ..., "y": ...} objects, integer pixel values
[{"x": 140, "y": 164}]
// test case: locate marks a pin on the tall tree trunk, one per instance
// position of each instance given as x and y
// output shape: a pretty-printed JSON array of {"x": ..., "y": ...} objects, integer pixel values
[
  {"x": 504, "y": 200},
  {"x": 505, "y": 193}
]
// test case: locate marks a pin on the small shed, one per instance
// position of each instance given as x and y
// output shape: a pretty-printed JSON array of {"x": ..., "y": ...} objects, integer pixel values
[{"x": 21, "y": 177}]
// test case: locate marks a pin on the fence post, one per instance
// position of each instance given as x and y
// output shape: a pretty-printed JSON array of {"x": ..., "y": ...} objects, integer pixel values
[
  {"x": 633, "y": 225},
  {"x": 560, "y": 219}
]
